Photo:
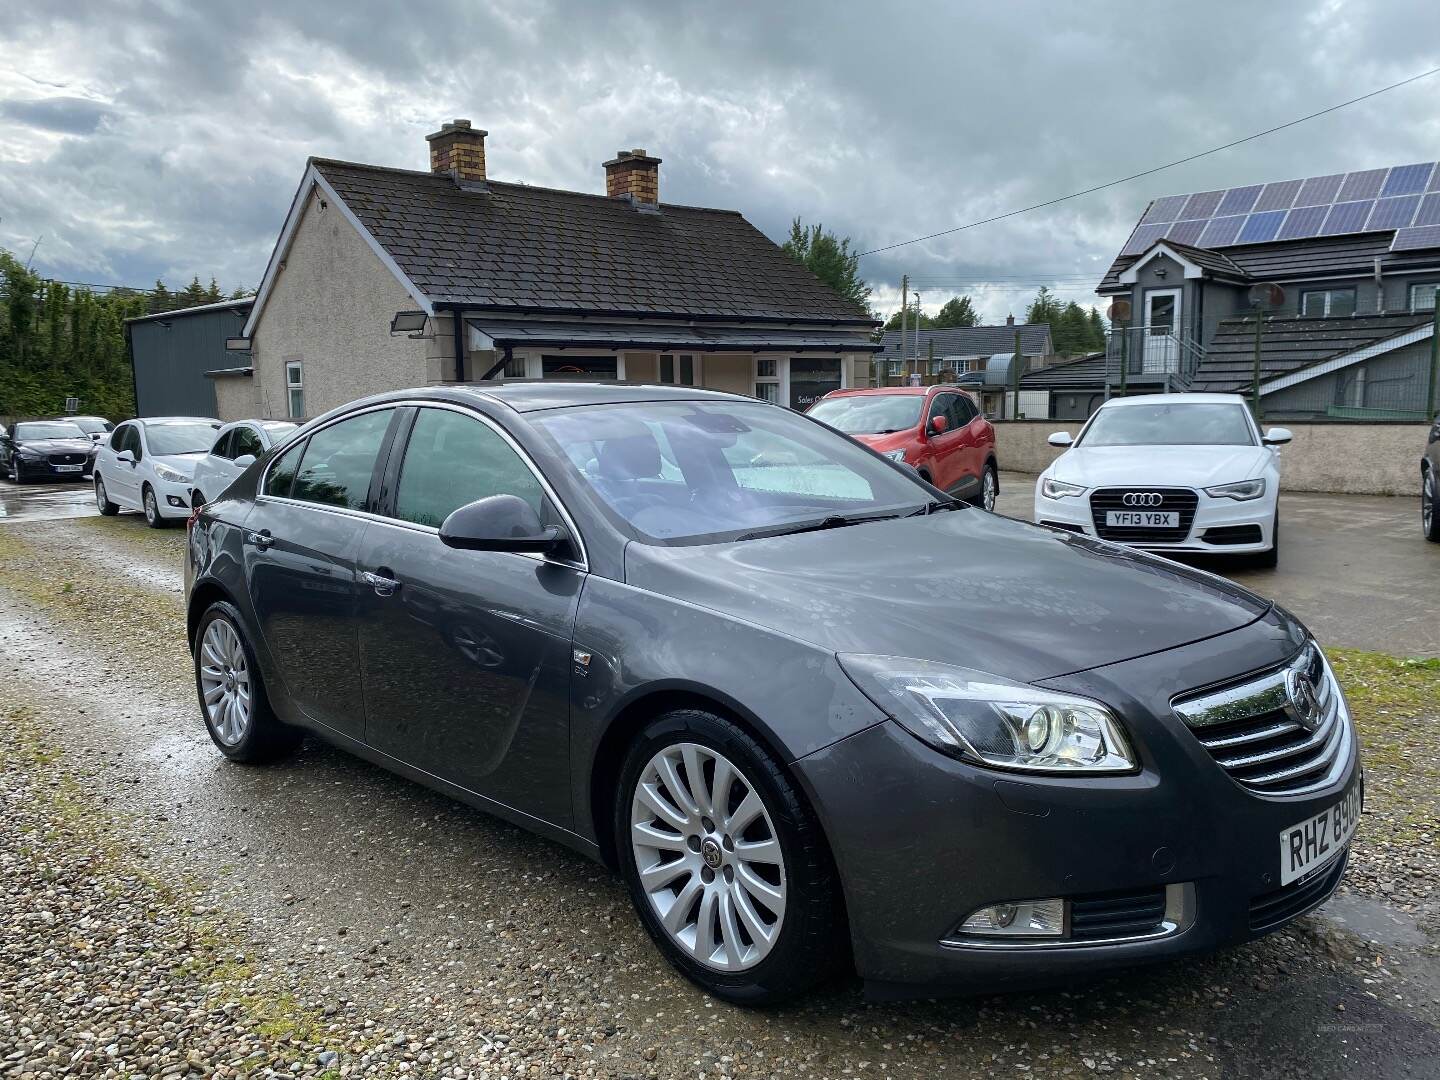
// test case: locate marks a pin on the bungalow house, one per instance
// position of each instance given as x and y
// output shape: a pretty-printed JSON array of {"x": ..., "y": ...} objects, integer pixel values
[
  {"x": 385, "y": 278},
  {"x": 960, "y": 349},
  {"x": 1356, "y": 258}
]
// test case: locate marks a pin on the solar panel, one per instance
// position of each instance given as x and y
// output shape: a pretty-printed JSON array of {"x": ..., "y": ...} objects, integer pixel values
[
  {"x": 1319, "y": 189},
  {"x": 1434, "y": 184},
  {"x": 1238, "y": 200},
  {"x": 1429, "y": 210},
  {"x": 1166, "y": 209},
  {"x": 1279, "y": 196},
  {"x": 1142, "y": 238},
  {"x": 1346, "y": 217},
  {"x": 1186, "y": 232},
  {"x": 1393, "y": 213},
  {"x": 1201, "y": 205},
  {"x": 1303, "y": 222},
  {"x": 1259, "y": 228},
  {"x": 1221, "y": 231},
  {"x": 1362, "y": 185},
  {"x": 1407, "y": 179},
  {"x": 1426, "y": 236}
]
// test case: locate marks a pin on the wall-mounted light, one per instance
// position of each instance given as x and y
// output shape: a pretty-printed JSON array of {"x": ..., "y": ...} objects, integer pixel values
[
  {"x": 408, "y": 322},
  {"x": 1160, "y": 272}
]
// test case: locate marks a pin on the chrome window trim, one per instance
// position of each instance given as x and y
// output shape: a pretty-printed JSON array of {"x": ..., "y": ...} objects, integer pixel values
[
  {"x": 1179, "y": 916},
  {"x": 305, "y": 432}
]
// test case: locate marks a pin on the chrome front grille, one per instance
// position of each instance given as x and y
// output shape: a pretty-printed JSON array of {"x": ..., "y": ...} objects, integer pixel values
[
  {"x": 1182, "y": 500},
  {"x": 1285, "y": 732}
]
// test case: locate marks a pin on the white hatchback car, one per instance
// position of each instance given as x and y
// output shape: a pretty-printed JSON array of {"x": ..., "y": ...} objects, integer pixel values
[
  {"x": 1169, "y": 472},
  {"x": 239, "y": 444},
  {"x": 148, "y": 464}
]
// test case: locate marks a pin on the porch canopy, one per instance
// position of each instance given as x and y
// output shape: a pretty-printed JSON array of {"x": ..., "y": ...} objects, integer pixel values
[{"x": 652, "y": 337}]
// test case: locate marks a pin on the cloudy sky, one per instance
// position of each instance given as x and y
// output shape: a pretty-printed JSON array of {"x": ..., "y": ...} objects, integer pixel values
[{"x": 145, "y": 140}]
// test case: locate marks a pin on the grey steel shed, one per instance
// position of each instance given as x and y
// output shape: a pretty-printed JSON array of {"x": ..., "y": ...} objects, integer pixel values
[{"x": 170, "y": 354}]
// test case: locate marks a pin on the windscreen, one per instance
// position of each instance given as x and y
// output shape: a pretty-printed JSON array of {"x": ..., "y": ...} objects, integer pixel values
[
  {"x": 91, "y": 426},
  {"x": 684, "y": 472},
  {"x": 1171, "y": 424},
  {"x": 870, "y": 414},
  {"x": 180, "y": 438},
  {"x": 49, "y": 430}
]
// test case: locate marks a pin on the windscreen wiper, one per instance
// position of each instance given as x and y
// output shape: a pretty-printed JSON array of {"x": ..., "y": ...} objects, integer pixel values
[
  {"x": 833, "y": 521},
  {"x": 934, "y": 506}
]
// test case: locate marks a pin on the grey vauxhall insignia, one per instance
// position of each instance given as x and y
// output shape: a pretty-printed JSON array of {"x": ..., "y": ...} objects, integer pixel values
[{"x": 816, "y": 714}]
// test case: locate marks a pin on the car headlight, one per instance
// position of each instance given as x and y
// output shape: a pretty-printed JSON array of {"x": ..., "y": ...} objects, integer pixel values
[
  {"x": 894, "y": 455},
  {"x": 1058, "y": 489},
  {"x": 169, "y": 474},
  {"x": 28, "y": 454},
  {"x": 1241, "y": 492},
  {"x": 990, "y": 720}
]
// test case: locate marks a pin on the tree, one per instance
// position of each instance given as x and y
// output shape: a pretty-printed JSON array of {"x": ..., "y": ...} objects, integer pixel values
[
  {"x": 194, "y": 294},
  {"x": 830, "y": 259},
  {"x": 1045, "y": 308},
  {"x": 926, "y": 322},
  {"x": 957, "y": 311}
]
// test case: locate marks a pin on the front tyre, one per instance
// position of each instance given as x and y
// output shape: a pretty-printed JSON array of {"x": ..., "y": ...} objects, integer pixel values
[
  {"x": 725, "y": 862},
  {"x": 152, "y": 509},
  {"x": 1429, "y": 502},
  {"x": 232, "y": 697}
]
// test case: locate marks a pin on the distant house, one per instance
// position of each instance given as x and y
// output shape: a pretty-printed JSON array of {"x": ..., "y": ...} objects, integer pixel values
[
  {"x": 1358, "y": 258},
  {"x": 385, "y": 278},
  {"x": 959, "y": 349},
  {"x": 180, "y": 359}
]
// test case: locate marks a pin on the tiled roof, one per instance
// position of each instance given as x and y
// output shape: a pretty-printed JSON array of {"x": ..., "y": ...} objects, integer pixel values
[
  {"x": 1283, "y": 261},
  {"x": 505, "y": 245},
  {"x": 969, "y": 341},
  {"x": 1082, "y": 371},
  {"x": 661, "y": 336},
  {"x": 1216, "y": 262},
  {"x": 1288, "y": 345}
]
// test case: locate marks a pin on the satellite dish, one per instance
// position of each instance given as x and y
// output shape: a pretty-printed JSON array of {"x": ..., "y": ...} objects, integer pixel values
[
  {"x": 1266, "y": 295},
  {"x": 1120, "y": 311}
]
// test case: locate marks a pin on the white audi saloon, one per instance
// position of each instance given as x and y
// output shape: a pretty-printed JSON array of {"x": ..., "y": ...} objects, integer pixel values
[{"x": 1169, "y": 472}]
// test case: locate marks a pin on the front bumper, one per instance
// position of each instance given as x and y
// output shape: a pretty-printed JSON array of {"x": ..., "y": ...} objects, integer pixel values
[
  {"x": 953, "y": 838},
  {"x": 44, "y": 469},
  {"x": 1220, "y": 526},
  {"x": 173, "y": 499}
]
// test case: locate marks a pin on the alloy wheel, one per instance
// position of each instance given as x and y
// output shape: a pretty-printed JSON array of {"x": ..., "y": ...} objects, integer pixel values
[
  {"x": 708, "y": 857},
  {"x": 225, "y": 681},
  {"x": 152, "y": 511},
  {"x": 987, "y": 490},
  {"x": 100, "y": 499}
]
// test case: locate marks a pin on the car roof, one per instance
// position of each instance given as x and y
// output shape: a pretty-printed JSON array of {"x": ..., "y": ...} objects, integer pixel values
[
  {"x": 533, "y": 396},
  {"x": 105, "y": 419},
  {"x": 1174, "y": 399},
  {"x": 886, "y": 391},
  {"x": 146, "y": 421}
]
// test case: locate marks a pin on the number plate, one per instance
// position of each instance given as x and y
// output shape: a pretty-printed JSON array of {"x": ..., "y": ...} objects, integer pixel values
[
  {"x": 1143, "y": 519},
  {"x": 1311, "y": 844},
  {"x": 69, "y": 468}
]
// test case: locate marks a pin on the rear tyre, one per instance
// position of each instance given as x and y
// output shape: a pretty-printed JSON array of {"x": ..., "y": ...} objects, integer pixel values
[
  {"x": 232, "y": 696},
  {"x": 726, "y": 864},
  {"x": 152, "y": 508},
  {"x": 102, "y": 499},
  {"x": 1429, "y": 505}
]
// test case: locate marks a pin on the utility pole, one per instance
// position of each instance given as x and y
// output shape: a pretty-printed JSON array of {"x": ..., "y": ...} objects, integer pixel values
[
  {"x": 1255, "y": 384},
  {"x": 904, "y": 314},
  {"x": 1015, "y": 377},
  {"x": 915, "y": 349},
  {"x": 1434, "y": 379}
]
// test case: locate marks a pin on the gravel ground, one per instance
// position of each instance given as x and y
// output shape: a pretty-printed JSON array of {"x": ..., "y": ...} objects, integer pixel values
[{"x": 254, "y": 919}]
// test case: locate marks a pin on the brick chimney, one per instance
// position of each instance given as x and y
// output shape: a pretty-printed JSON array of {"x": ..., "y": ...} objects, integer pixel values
[
  {"x": 635, "y": 175},
  {"x": 1009, "y": 320},
  {"x": 459, "y": 150}
]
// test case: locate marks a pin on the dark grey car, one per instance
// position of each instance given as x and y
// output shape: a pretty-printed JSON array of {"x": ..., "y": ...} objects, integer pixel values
[
  {"x": 1430, "y": 484},
  {"x": 817, "y": 715}
]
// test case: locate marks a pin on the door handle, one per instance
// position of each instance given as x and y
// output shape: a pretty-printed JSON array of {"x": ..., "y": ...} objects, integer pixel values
[
  {"x": 383, "y": 586},
  {"x": 261, "y": 540}
]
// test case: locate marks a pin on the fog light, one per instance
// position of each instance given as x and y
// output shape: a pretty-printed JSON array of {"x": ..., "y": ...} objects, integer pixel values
[
  {"x": 175, "y": 500},
  {"x": 1018, "y": 918}
]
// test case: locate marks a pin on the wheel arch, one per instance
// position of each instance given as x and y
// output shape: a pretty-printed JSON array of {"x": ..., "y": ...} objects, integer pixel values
[{"x": 204, "y": 594}]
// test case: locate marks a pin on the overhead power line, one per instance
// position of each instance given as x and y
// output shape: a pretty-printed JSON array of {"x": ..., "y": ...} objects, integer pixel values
[{"x": 1157, "y": 168}]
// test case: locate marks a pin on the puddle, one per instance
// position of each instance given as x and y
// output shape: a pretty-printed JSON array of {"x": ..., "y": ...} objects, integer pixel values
[
  {"x": 46, "y": 502},
  {"x": 1372, "y": 920}
]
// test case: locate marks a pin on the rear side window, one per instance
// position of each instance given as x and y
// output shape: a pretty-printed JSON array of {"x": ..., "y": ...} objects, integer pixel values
[
  {"x": 453, "y": 459},
  {"x": 339, "y": 461},
  {"x": 282, "y": 473},
  {"x": 246, "y": 442}
]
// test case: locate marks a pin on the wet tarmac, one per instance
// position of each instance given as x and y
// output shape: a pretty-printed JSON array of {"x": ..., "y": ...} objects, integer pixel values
[{"x": 44, "y": 502}]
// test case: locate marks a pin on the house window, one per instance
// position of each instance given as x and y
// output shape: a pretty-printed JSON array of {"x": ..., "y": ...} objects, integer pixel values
[
  {"x": 295, "y": 387},
  {"x": 682, "y": 370},
  {"x": 1324, "y": 303},
  {"x": 767, "y": 379},
  {"x": 1422, "y": 297}
]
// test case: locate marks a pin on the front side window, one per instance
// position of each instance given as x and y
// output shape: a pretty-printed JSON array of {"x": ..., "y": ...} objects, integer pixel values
[
  {"x": 1422, "y": 297},
  {"x": 681, "y": 472},
  {"x": 869, "y": 414},
  {"x": 222, "y": 446},
  {"x": 295, "y": 388},
  {"x": 118, "y": 436},
  {"x": 1177, "y": 424},
  {"x": 453, "y": 459},
  {"x": 1324, "y": 303},
  {"x": 247, "y": 441},
  {"x": 180, "y": 437},
  {"x": 282, "y": 474},
  {"x": 339, "y": 461}
]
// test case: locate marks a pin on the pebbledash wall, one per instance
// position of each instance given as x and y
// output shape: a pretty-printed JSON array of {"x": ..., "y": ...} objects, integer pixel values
[{"x": 1345, "y": 457}]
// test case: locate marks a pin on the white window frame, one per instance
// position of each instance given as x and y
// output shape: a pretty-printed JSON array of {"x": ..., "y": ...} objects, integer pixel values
[
  {"x": 780, "y": 380},
  {"x": 1434, "y": 286},
  {"x": 294, "y": 385},
  {"x": 1329, "y": 295}
]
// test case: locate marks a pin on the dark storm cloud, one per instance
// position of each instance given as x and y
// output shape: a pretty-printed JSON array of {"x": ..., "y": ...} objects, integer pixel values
[{"x": 884, "y": 122}]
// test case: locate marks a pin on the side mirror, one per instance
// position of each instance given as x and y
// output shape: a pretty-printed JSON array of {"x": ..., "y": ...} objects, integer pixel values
[
  {"x": 125, "y": 456},
  {"x": 1277, "y": 436},
  {"x": 244, "y": 461},
  {"x": 499, "y": 523},
  {"x": 1061, "y": 438},
  {"x": 939, "y": 425}
]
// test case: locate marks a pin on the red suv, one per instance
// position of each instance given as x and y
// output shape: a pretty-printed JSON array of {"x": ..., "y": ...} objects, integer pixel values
[{"x": 937, "y": 429}]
